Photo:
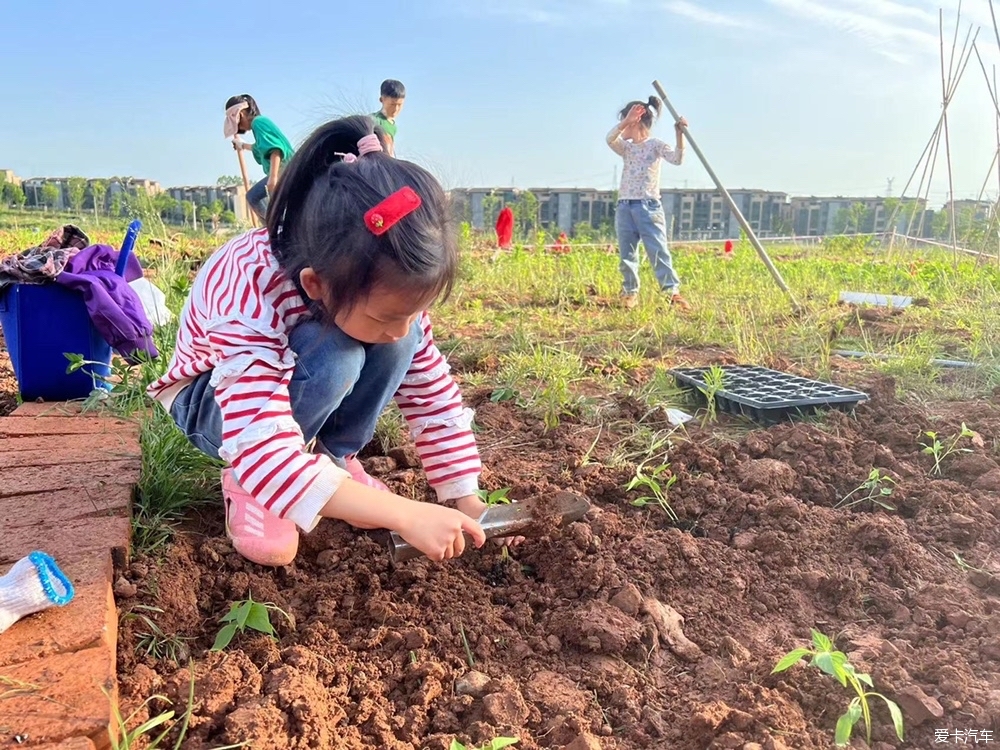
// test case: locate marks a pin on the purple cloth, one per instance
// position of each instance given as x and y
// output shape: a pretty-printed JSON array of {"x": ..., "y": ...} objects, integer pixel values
[{"x": 114, "y": 307}]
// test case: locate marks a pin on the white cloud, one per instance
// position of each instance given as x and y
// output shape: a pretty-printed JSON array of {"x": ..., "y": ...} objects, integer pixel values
[
  {"x": 892, "y": 29},
  {"x": 710, "y": 17}
]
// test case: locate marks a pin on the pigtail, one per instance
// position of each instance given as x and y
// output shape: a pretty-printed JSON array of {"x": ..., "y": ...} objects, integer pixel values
[{"x": 654, "y": 106}]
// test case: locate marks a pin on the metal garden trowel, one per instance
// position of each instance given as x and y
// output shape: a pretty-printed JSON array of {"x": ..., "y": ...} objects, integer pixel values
[{"x": 515, "y": 519}]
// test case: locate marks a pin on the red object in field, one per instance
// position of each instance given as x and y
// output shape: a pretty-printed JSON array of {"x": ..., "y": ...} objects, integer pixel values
[
  {"x": 562, "y": 245},
  {"x": 505, "y": 227},
  {"x": 729, "y": 247}
]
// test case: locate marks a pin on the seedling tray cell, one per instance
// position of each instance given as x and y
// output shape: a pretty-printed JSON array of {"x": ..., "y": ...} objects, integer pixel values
[{"x": 768, "y": 396}]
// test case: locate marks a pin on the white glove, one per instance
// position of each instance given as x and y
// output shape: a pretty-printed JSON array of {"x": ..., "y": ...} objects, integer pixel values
[{"x": 33, "y": 584}]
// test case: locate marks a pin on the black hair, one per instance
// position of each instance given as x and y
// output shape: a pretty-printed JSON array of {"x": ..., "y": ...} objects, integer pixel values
[
  {"x": 392, "y": 89},
  {"x": 316, "y": 220},
  {"x": 252, "y": 109},
  {"x": 652, "y": 107}
]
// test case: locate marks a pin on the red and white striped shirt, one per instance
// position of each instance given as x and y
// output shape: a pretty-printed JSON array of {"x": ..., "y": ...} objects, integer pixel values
[{"x": 235, "y": 324}]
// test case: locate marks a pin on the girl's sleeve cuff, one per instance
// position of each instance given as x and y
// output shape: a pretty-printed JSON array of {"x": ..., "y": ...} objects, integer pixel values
[{"x": 459, "y": 488}]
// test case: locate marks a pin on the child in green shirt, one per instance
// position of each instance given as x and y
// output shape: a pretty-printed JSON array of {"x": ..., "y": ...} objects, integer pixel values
[
  {"x": 392, "y": 95},
  {"x": 271, "y": 149}
]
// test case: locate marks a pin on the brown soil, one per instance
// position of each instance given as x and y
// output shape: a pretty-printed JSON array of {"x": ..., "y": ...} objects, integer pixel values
[
  {"x": 8, "y": 383},
  {"x": 578, "y": 636}
]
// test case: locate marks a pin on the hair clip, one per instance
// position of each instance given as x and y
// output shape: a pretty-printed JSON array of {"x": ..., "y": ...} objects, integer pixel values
[
  {"x": 348, "y": 158},
  {"x": 379, "y": 218}
]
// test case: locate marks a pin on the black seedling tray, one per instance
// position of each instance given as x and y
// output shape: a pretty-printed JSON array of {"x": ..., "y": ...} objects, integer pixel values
[{"x": 769, "y": 396}]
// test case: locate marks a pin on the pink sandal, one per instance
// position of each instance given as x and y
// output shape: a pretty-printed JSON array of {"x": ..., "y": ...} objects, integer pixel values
[{"x": 257, "y": 534}]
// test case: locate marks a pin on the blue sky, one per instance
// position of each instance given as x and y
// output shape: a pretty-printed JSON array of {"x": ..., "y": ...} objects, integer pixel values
[{"x": 806, "y": 96}]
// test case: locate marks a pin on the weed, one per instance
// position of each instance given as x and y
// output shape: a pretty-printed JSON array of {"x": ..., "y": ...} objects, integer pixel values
[
  {"x": 836, "y": 664},
  {"x": 248, "y": 615},
  {"x": 657, "y": 483},
  {"x": 390, "y": 429},
  {"x": 17, "y": 687},
  {"x": 465, "y": 645},
  {"x": 874, "y": 488},
  {"x": 714, "y": 379},
  {"x": 123, "y": 738},
  {"x": 965, "y": 567},
  {"x": 155, "y": 643},
  {"x": 497, "y": 743},
  {"x": 941, "y": 450}
]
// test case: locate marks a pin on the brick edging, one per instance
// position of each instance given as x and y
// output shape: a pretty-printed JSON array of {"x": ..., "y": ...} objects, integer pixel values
[{"x": 66, "y": 485}]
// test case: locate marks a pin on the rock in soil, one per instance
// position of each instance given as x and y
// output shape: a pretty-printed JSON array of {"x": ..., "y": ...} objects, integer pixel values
[
  {"x": 472, "y": 683},
  {"x": 668, "y": 623}
]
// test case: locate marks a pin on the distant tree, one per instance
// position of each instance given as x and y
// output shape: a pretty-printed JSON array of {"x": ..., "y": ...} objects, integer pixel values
[
  {"x": 77, "y": 188},
  {"x": 215, "y": 209},
  {"x": 98, "y": 190},
  {"x": 3, "y": 187},
  {"x": 228, "y": 180},
  {"x": 526, "y": 213},
  {"x": 227, "y": 217},
  {"x": 164, "y": 205},
  {"x": 583, "y": 232},
  {"x": 14, "y": 194},
  {"x": 50, "y": 194},
  {"x": 117, "y": 204},
  {"x": 856, "y": 216},
  {"x": 941, "y": 224},
  {"x": 188, "y": 208}
]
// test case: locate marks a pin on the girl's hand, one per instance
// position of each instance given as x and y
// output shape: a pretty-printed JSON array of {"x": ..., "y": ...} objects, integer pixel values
[
  {"x": 680, "y": 123},
  {"x": 237, "y": 144},
  {"x": 635, "y": 114},
  {"x": 472, "y": 506},
  {"x": 437, "y": 531}
]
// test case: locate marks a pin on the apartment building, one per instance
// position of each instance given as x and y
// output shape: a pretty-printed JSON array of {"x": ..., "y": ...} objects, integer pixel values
[
  {"x": 704, "y": 215},
  {"x": 232, "y": 197}
]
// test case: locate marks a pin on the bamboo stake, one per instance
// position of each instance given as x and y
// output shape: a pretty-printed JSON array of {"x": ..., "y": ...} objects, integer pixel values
[{"x": 744, "y": 224}]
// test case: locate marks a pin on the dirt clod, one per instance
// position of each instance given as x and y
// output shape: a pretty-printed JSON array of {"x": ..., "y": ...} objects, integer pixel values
[{"x": 917, "y": 706}]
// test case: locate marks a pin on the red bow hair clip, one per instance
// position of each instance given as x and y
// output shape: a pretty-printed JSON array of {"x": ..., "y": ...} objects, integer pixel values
[{"x": 379, "y": 218}]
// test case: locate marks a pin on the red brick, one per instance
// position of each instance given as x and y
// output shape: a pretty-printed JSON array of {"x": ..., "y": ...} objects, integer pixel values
[
  {"x": 83, "y": 535},
  {"x": 71, "y": 697},
  {"x": 71, "y": 505},
  {"x": 89, "y": 621},
  {"x": 20, "y": 427},
  {"x": 115, "y": 446},
  {"x": 48, "y": 409},
  {"x": 76, "y": 743},
  {"x": 28, "y": 480}
]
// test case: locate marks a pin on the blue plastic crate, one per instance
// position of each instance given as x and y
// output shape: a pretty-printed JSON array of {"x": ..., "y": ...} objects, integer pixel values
[{"x": 42, "y": 323}]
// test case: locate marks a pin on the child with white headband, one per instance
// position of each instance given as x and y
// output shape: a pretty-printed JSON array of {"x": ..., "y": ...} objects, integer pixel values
[
  {"x": 270, "y": 148},
  {"x": 301, "y": 332}
]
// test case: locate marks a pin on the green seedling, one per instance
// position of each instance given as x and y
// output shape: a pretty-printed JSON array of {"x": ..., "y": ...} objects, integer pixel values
[
  {"x": 871, "y": 491},
  {"x": 713, "y": 383},
  {"x": 503, "y": 393},
  {"x": 496, "y": 497},
  {"x": 497, "y": 743},
  {"x": 248, "y": 615},
  {"x": 657, "y": 483},
  {"x": 836, "y": 664},
  {"x": 941, "y": 450}
]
